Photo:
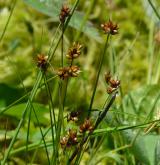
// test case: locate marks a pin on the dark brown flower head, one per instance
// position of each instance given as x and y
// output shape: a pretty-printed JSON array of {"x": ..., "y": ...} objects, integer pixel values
[
  {"x": 66, "y": 72},
  {"x": 64, "y": 141},
  {"x": 114, "y": 83},
  {"x": 73, "y": 71},
  {"x": 63, "y": 73},
  {"x": 65, "y": 11},
  {"x": 42, "y": 61},
  {"x": 73, "y": 116},
  {"x": 70, "y": 139},
  {"x": 110, "y": 28},
  {"x": 86, "y": 126},
  {"x": 74, "y": 51}
]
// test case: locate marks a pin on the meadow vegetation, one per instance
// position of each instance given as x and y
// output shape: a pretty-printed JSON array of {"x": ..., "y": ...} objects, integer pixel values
[{"x": 79, "y": 82}]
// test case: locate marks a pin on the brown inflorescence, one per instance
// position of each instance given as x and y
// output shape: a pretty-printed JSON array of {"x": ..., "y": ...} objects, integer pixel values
[
  {"x": 86, "y": 126},
  {"x": 65, "y": 11},
  {"x": 110, "y": 28},
  {"x": 113, "y": 84},
  {"x": 66, "y": 72},
  {"x": 74, "y": 51},
  {"x": 42, "y": 61},
  {"x": 73, "y": 116},
  {"x": 70, "y": 139}
]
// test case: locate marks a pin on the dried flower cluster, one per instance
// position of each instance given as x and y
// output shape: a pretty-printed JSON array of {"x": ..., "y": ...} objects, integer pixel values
[
  {"x": 42, "y": 61},
  {"x": 73, "y": 116},
  {"x": 66, "y": 72},
  {"x": 72, "y": 70},
  {"x": 65, "y": 11},
  {"x": 113, "y": 84},
  {"x": 70, "y": 139},
  {"x": 74, "y": 51},
  {"x": 110, "y": 28},
  {"x": 86, "y": 126}
]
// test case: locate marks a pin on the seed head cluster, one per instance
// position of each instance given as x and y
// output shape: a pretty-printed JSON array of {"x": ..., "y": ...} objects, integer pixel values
[
  {"x": 65, "y": 11},
  {"x": 74, "y": 51},
  {"x": 72, "y": 70},
  {"x": 110, "y": 28},
  {"x": 113, "y": 84},
  {"x": 73, "y": 116},
  {"x": 86, "y": 126},
  {"x": 42, "y": 61},
  {"x": 70, "y": 139}
]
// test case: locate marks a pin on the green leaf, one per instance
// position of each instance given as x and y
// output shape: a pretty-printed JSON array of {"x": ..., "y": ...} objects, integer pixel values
[
  {"x": 144, "y": 146},
  {"x": 143, "y": 100},
  {"x": 41, "y": 112},
  {"x": 52, "y": 9},
  {"x": 9, "y": 94}
]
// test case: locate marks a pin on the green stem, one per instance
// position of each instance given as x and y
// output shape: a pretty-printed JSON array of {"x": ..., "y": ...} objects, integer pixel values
[
  {"x": 155, "y": 10},
  {"x": 7, "y": 23},
  {"x": 98, "y": 74}
]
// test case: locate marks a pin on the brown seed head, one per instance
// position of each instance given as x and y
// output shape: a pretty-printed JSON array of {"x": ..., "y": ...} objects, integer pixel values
[
  {"x": 70, "y": 139},
  {"x": 65, "y": 11},
  {"x": 66, "y": 72},
  {"x": 74, "y": 51},
  {"x": 73, "y": 116},
  {"x": 110, "y": 28},
  {"x": 42, "y": 61},
  {"x": 114, "y": 83},
  {"x": 63, "y": 73},
  {"x": 86, "y": 126},
  {"x": 73, "y": 71}
]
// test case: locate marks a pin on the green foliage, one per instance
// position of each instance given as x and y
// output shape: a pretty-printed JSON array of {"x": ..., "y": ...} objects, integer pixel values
[{"x": 38, "y": 102}]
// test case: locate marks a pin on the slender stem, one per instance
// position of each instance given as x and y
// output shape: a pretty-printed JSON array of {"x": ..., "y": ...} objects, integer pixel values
[
  {"x": 98, "y": 74},
  {"x": 43, "y": 135},
  {"x": 27, "y": 140},
  {"x": 62, "y": 45},
  {"x": 7, "y": 23},
  {"x": 78, "y": 149},
  {"x": 155, "y": 10},
  {"x": 51, "y": 107}
]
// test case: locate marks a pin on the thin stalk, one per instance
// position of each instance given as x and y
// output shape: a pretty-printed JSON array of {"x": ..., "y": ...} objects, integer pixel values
[
  {"x": 7, "y": 23},
  {"x": 101, "y": 116},
  {"x": 52, "y": 113},
  {"x": 150, "y": 53},
  {"x": 98, "y": 74},
  {"x": 27, "y": 140},
  {"x": 59, "y": 126},
  {"x": 154, "y": 9},
  {"x": 51, "y": 107},
  {"x": 62, "y": 45},
  {"x": 43, "y": 135},
  {"x": 5, "y": 135}
]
